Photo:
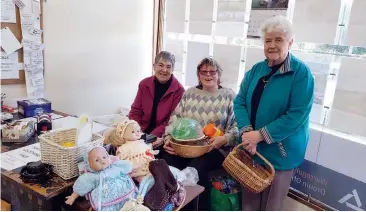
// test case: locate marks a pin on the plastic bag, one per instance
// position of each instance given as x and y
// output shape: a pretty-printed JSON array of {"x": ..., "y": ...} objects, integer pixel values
[
  {"x": 225, "y": 202},
  {"x": 185, "y": 128},
  {"x": 191, "y": 176},
  {"x": 225, "y": 194}
]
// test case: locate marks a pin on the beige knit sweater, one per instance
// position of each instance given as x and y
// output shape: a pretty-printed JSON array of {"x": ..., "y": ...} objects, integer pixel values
[{"x": 205, "y": 107}]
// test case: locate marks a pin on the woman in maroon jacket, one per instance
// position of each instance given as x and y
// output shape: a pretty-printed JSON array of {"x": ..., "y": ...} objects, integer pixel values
[{"x": 157, "y": 96}]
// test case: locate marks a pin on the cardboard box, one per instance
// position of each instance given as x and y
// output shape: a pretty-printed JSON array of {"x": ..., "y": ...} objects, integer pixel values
[{"x": 33, "y": 107}]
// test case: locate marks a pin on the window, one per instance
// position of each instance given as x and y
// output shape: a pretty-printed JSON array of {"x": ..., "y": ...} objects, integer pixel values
[{"x": 329, "y": 37}]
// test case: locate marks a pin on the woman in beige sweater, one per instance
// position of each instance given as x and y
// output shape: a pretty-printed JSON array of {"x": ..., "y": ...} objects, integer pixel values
[{"x": 207, "y": 103}]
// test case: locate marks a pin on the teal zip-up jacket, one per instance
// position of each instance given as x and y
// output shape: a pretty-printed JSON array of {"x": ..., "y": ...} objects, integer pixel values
[{"x": 283, "y": 111}]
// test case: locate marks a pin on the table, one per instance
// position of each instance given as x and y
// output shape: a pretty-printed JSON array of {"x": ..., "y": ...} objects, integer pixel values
[
  {"x": 51, "y": 196},
  {"x": 25, "y": 196},
  {"x": 192, "y": 195}
]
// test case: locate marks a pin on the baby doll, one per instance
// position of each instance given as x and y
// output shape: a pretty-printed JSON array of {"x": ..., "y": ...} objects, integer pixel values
[
  {"x": 106, "y": 182},
  {"x": 134, "y": 149}
]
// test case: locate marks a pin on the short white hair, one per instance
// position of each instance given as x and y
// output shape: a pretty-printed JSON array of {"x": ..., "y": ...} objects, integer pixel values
[{"x": 278, "y": 24}]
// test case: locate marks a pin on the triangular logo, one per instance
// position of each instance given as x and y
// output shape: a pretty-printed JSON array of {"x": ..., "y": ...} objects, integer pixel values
[{"x": 349, "y": 196}]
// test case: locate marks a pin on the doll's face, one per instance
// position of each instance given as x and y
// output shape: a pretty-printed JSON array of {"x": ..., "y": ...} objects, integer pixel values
[
  {"x": 132, "y": 132},
  {"x": 98, "y": 159}
]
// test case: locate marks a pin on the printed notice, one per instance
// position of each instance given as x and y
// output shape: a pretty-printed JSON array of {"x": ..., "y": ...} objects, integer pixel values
[
  {"x": 8, "y": 14},
  {"x": 34, "y": 84},
  {"x": 9, "y": 66},
  {"x": 20, "y": 157}
]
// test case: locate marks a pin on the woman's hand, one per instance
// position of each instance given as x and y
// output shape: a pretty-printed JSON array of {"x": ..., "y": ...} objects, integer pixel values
[
  {"x": 252, "y": 149},
  {"x": 217, "y": 142},
  {"x": 167, "y": 147},
  {"x": 250, "y": 141},
  {"x": 157, "y": 142}
]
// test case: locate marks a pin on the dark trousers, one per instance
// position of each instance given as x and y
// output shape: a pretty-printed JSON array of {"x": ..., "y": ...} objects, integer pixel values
[{"x": 203, "y": 164}]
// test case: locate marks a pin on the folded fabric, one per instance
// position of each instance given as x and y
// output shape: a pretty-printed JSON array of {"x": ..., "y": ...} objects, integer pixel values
[
  {"x": 164, "y": 187},
  {"x": 148, "y": 181},
  {"x": 179, "y": 196}
]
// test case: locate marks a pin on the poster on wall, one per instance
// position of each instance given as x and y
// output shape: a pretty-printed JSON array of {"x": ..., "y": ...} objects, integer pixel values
[
  {"x": 9, "y": 66},
  {"x": 332, "y": 188},
  {"x": 8, "y": 13},
  {"x": 263, "y": 10}
]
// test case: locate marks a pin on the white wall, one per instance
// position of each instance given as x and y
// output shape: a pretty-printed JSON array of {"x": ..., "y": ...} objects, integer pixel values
[
  {"x": 338, "y": 151},
  {"x": 96, "y": 52},
  {"x": 14, "y": 93}
]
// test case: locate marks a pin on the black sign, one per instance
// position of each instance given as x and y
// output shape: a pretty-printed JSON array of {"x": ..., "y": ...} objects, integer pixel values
[{"x": 330, "y": 187}]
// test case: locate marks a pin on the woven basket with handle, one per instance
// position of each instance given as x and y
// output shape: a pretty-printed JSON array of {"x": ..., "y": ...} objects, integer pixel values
[
  {"x": 253, "y": 176},
  {"x": 65, "y": 159}
]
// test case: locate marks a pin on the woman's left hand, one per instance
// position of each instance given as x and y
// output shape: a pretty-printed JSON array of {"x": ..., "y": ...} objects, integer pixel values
[{"x": 217, "y": 142}]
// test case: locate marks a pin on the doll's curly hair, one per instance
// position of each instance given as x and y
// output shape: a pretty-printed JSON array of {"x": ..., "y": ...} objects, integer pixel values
[{"x": 116, "y": 136}]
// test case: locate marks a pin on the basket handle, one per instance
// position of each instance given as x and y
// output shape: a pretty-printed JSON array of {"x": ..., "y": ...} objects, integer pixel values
[{"x": 261, "y": 157}]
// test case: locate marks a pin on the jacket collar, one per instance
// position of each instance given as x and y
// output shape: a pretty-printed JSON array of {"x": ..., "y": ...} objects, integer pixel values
[
  {"x": 285, "y": 66},
  {"x": 150, "y": 84}
]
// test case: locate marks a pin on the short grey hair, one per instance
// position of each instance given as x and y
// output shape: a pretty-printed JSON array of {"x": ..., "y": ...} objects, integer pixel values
[
  {"x": 277, "y": 23},
  {"x": 167, "y": 56}
]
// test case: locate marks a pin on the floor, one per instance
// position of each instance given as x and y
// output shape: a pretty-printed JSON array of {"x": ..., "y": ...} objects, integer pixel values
[{"x": 293, "y": 205}]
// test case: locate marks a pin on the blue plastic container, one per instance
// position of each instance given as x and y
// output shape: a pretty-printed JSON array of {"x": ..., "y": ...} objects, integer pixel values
[{"x": 33, "y": 107}]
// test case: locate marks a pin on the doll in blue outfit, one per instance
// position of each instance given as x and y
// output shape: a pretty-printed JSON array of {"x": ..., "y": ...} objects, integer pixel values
[{"x": 106, "y": 182}]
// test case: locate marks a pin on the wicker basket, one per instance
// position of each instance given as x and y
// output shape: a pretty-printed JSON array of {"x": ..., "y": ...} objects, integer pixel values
[
  {"x": 189, "y": 151},
  {"x": 253, "y": 176},
  {"x": 65, "y": 159}
]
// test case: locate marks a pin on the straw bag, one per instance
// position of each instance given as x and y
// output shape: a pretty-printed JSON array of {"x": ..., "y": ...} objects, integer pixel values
[
  {"x": 65, "y": 159},
  {"x": 253, "y": 176}
]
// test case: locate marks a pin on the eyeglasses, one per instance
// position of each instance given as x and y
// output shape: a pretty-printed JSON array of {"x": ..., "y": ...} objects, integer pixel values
[{"x": 211, "y": 73}]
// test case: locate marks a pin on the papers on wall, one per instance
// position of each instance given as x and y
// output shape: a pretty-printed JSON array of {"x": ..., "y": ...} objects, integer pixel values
[
  {"x": 9, "y": 66},
  {"x": 8, "y": 41},
  {"x": 36, "y": 7},
  {"x": 35, "y": 84},
  {"x": 29, "y": 20},
  {"x": 33, "y": 66},
  {"x": 19, "y": 3},
  {"x": 33, "y": 56},
  {"x": 32, "y": 48},
  {"x": 20, "y": 157},
  {"x": 31, "y": 24},
  {"x": 28, "y": 6},
  {"x": 8, "y": 14},
  {"x": 263, "y": 10},
  {"x": 257, "y": 17}
]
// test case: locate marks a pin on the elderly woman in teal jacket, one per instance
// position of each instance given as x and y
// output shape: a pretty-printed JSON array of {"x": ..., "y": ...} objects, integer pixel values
[{"x": 272, "y": 110}]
